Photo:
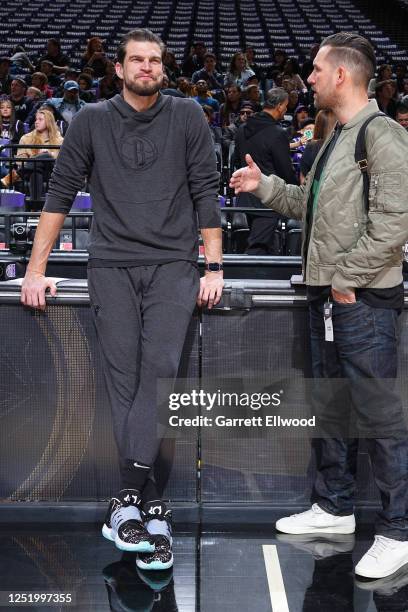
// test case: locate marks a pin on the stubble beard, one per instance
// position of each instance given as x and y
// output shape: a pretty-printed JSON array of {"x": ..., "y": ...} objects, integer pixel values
[{"x": 143, "y": 89}]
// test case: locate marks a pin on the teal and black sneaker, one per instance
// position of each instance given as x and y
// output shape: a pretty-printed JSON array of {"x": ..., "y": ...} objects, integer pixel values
[
  {"x": 124, "y": 524},
  {"x": 158, "y": 523}
]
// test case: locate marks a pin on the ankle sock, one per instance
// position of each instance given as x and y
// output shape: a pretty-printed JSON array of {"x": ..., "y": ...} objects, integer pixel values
[{"x": 134, "y": 474}]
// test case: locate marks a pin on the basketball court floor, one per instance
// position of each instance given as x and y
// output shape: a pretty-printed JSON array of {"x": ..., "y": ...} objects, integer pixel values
[{"x": 240, "y": 570}]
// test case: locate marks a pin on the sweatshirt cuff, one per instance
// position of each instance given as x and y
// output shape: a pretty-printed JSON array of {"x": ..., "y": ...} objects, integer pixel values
[{"x": 263, "y": 191}]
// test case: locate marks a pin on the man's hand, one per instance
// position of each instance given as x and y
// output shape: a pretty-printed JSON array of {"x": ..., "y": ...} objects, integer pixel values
[
  {"x": 33, "y": 289},
  {"x": 246, "y": 179},
  {"x": 344, "y": 298},
  {"x": 211, "y": 285}
]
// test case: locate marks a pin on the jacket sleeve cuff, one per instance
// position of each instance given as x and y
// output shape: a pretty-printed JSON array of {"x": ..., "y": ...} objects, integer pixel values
[
  {"x": 343, "y": 284},
  {"x": 264, "y": 190}
]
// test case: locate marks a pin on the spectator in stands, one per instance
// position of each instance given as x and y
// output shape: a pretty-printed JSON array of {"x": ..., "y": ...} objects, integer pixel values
[
  {"x": 208, "y": 73},
  {"x": 34, "y": 94},
  {"x": 230, "y": 131},
  {"x": 71, "y": 74},
  {"x": 239, "y": 72},
  {"x": 230, "y": 109},
  {"x": 170, "y": 91},
  {"x": 300, "y": 114},
  {"x": 39, "y": 170},
  {"x": 400, "y": 76},
  {"x": 324, "y": 124},
  {"x": 384, "y": 74},
  {"x": 291, "y": 79},
  {"x": 110, "y": 84},
  {"x": 40, "y": 81},
  {"x": 267, "y": 142},
  {"x": 293, "y": 101},
  {"x": 5, "y": 78},
  {"x": 59, "y": 60},
  {"x": 216, "y": 132},
  {"x": 185, "y": 87},
  {"x": 402, "y": 115},
  {"x": 252, "y": 94},
  {"x": 384, "y": 94},
  {"x": 46, "y": 67},
  {"x": 22, "y": 104},
  {"x": 85, "y": 85},
  {"x": 172, "y": 68},
  {"x": 11, "y": 130},
  {"x": 307, "y": 67},
  {"x": 203, "y": 96},
  {"x": 94, "y": 57},
  {"x": 280, "y": 57},
  {"x": 250, "y": 55},
  {"x": 298, "y": 144},
  {"x": 195, "y": 59},
  {"x": 70, "y": 104}
]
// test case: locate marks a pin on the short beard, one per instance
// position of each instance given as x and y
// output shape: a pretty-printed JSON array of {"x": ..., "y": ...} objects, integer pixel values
[{"x": 148, "y": 89}]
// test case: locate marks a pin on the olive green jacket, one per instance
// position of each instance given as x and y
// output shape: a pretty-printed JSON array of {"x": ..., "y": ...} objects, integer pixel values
[{"x": 349, "y": 248}]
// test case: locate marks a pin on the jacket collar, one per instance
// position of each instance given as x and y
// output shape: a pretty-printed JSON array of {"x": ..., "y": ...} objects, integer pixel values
[{"x": 369, "y": 109}]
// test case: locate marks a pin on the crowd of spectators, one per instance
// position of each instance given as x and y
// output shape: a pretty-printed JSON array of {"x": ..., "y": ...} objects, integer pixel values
[{"x": 229, "y": 95}]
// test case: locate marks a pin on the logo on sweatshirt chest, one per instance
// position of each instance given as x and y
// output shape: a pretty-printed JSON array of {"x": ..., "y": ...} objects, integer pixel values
[{"x": 139, "y": 153}]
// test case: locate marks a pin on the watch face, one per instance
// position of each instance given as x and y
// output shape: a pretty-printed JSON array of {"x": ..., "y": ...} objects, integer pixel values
[{"x": 214, "y": 267}]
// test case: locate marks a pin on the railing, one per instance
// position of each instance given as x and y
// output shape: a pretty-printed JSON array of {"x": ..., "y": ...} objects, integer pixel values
[{"x": 31, "y": 174}]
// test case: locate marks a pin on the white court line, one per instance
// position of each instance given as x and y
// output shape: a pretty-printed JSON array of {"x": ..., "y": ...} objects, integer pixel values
[{"x": 275, "y": 581}]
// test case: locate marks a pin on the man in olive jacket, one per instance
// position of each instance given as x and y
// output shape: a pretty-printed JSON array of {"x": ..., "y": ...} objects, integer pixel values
[{"x": 352, "y": 260}]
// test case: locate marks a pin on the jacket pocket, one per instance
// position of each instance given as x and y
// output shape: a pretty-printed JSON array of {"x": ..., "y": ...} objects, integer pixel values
[{"x": 386, "y": 192}]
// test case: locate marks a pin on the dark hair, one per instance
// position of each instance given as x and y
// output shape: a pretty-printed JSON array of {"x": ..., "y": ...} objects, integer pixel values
[
  {"x": 138, "y": 35},
  {"x": 211, "y": 55},
  {"x": 13, "y": 121},
  {"x": 305, "y": 122},
  {"x": 86, "y": 77},
  {"x": 402, "y": 108},
  {"x": 56, "y": 42},
  {"x": 295, "y": 66},
  {"x": 355, "y": 51},
  {"x": 232, "y": 66}
]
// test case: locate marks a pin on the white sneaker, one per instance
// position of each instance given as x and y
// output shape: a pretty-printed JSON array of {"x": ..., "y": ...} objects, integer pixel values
[
  {"x": 384, "y": 558},
  {"x": 316, "y": 520}
]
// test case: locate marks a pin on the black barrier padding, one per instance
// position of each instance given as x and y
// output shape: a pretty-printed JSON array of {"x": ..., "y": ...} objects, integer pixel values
[
  {"x": 274, "y": 342},
  {"x": 56, "y": 438}
]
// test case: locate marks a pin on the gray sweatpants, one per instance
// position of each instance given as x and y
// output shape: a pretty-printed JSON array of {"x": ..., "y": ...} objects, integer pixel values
[{"x": 141, "y": 314}]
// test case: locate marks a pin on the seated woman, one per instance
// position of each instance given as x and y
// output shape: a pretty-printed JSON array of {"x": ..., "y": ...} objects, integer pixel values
[
  {"x": 239, "y": 71},
  {"x": 39, "y": 169},
  {"x": 94, "y": 57},
  {"x": 11, "y": 130},
  {"x": 324, "y": 124}
]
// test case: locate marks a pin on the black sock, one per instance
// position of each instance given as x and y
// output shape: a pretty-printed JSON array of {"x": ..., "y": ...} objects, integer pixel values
[
  {"x": 150, "y": 492},
  {"x": 134, "y": 474}
]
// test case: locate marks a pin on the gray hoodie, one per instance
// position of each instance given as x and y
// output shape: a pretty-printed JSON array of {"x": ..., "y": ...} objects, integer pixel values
[{"x": 151, "y": 174}]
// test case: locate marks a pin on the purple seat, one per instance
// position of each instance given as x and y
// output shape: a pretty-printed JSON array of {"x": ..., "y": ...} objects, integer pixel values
[
  {"x": 221, "y": 201},
  {"x": 12, "y": 199},
  {"x": 4, "y": 152},
  {"x": 82, "y": 201}
]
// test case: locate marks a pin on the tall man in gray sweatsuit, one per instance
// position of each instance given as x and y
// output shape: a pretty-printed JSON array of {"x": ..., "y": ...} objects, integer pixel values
[
  {"x": 152, "y": 174},
  {"x": 352, "y": 258}
]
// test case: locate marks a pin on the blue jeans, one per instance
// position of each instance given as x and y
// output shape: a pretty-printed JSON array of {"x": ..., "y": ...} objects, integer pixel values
[{"x": 364, "y": 353}]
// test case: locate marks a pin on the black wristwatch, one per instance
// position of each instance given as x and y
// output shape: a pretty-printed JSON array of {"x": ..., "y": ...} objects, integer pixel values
[{"x": 213, "y": 267}]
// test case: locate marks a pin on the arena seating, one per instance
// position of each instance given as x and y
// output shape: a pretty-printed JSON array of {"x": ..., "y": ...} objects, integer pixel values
[{"x": 224, "y": 26}]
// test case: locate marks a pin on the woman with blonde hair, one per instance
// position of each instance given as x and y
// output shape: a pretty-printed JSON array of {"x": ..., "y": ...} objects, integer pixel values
[{"x": 38, "y": 171}]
